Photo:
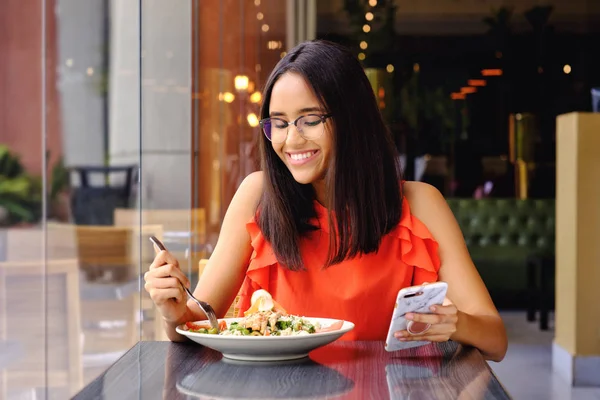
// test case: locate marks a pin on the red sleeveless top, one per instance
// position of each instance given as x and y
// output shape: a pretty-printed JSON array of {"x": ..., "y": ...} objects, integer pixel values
[{"x": 362, "y": 290}]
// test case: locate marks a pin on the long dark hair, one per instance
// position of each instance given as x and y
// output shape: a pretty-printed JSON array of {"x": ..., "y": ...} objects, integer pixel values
[{"x": 363, "y": 178}]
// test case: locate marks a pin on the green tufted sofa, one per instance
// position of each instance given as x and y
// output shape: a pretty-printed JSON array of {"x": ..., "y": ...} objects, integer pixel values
[{"x": 501, "y": 234}]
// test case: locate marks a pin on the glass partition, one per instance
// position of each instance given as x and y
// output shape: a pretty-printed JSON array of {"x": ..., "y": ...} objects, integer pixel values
[
  {"x": 118, "y": 120},
  {"x": 69, "y": 275}
]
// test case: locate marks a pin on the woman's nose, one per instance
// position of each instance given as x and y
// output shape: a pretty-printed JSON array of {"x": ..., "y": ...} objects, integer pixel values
[{"x": 294, "y": 135}]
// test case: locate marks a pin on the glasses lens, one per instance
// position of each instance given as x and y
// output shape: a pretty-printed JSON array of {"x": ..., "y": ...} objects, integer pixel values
[
  {"x": 266, "y": 126},
  {"x": 310, "y": 126},
  {"x": 277, "y": 130}
]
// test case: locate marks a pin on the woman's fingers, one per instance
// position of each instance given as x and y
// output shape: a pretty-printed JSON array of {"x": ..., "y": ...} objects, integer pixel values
[
  {"x": 436, "y": 327},
  {"x": 162, "y": 258},
  {"x": 160, "y": 296},
  {"x": 167, "y": 270},
  {"x": 433, "y": 319},
  {"x": 163, "y": 283},
  {"x": 439, "y": 333}
]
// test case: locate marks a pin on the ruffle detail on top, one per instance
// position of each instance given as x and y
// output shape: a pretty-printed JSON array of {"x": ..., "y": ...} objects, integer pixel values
[{"x": 418, "y": 247}]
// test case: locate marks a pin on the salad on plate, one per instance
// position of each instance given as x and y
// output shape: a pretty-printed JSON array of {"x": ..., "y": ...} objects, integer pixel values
[{"x": 265, "y": 317}]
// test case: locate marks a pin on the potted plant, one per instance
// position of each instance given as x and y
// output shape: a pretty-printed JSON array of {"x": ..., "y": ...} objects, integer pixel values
[{"x": 20, "y": 193}]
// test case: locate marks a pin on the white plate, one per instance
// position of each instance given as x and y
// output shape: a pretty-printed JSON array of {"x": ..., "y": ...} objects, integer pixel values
[{"x": 268, "y": 348}]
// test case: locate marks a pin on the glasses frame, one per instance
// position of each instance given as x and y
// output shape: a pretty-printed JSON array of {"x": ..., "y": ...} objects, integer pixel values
[{"x": 323, "y": 117}]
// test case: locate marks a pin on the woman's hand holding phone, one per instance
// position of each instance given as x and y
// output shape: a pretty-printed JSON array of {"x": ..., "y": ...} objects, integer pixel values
[
  {"x": 422, "y": 314},
  {"x": 442, "y": 324}
]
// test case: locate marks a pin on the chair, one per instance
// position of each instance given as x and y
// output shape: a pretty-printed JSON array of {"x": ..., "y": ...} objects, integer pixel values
[
  {"x": 40, "y": 309},
  {"x": 184, "y": 220},
  {"x": 501, "y": 235},
  {"x": 116, "y": 254},
  {"x": 112, "y": 260},
  {"x": 93, "y": 201},
  {"x": 28, "y": 244},
  {"x": 184, "y": 231},
  {"x": 540, "y": 286}
]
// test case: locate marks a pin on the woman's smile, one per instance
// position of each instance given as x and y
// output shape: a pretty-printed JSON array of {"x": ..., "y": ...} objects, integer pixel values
[{"x": 301, "y": 157}]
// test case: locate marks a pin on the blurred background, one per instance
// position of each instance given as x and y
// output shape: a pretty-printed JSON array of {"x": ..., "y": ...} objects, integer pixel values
[{"x": 123, "y": 119}]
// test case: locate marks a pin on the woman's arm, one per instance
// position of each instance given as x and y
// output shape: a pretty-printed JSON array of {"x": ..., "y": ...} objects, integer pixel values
[
  {"x": 224, "y": 273},
  {"x": 477, "y": 321}
]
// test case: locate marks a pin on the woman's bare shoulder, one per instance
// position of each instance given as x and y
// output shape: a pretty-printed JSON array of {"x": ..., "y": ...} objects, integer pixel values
[
  {"x": 421, "y": 195},
  {"x": 429, "y": 205},
  {"x": 249, "y": 193},
  {"x": 254, "y": 182}
]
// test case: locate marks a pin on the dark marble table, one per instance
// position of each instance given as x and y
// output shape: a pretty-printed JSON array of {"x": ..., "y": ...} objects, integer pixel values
[{"x": 341, "y": 370}]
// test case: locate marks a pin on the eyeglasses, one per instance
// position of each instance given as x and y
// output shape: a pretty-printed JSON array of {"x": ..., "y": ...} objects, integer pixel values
[{"x": 310, "y": 127}]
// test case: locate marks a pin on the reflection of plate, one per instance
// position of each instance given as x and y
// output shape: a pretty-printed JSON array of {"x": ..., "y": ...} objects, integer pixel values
[
  {"x": 299, "y": 379},
  {"x": 269, "y": 348}
]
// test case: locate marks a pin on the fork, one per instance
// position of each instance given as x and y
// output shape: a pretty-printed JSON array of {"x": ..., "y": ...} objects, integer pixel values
[
  {"x": 206, "y": 309},
  {"x": 204, "y": 306}
]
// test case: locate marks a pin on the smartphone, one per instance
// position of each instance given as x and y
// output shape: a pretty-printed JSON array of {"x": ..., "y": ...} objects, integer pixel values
[{"x": 415, "y": 299}]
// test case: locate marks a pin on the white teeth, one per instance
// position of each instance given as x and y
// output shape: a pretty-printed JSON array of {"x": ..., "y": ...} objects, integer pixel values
[{"x": 302, "y": 156}]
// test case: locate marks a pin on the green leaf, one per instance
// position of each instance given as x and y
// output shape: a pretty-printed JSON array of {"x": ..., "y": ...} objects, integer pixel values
[
  {"x": 10, "y": 163},
  {"x": 17, "y": 210},
  {"x": 19, "y": 187}
]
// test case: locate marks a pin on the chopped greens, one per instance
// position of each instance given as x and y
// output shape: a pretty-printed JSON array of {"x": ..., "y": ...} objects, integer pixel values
[{"x": 263, "y": 323}]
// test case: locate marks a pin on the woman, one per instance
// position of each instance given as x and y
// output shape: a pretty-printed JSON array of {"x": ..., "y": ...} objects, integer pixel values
[{"x": 327, "y": 227}]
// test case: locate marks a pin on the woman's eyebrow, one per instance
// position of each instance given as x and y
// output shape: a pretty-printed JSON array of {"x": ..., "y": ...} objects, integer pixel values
[
  {"x": 311, "y": 109},
  {"x": 301, "y": 111}
]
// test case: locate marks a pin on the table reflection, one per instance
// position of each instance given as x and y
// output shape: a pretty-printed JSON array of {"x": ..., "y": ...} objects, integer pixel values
[
  {"x": 459, "y": 376},
  {"x": 229, "y": 379},
  {"x": 341, "y": 370}
]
